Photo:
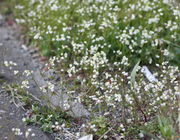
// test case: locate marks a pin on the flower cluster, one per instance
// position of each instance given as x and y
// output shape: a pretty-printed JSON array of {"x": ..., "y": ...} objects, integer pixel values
[
  {"x": 25, "y": 84},
  {"x": 9, "y": 64},
  {"x": 97, "y": 44},
  {"x": 17, "y": 131}
]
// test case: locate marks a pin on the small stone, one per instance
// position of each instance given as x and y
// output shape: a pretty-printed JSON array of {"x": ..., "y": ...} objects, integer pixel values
[
  {"x": 1, "y": 20},
  {"x": 24, "y": 47},
  {"x": 79, "y": 110},
  {"x": 11, "y": 114},
  {"x": 7, "y": 37},
  {"x": 35, "y": 56},
  {"x": 26, "y": 134},
  {"x": 2, "y": 111},
  {"x": 29, "y": 129},
  {"x": 88, "y": 137}
]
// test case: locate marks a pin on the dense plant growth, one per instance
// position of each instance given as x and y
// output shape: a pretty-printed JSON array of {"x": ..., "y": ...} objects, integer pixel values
[{"x": 102, "y": 47}]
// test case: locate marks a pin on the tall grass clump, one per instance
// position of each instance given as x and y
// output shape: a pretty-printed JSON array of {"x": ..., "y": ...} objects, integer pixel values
[{"x": 97, "y": 43}]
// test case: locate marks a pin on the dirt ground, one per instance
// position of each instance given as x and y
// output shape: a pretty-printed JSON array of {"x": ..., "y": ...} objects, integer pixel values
[{"x": 10, "y": 115}]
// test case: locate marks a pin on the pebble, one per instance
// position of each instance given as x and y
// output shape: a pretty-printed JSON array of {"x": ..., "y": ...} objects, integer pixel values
[
  {"x": 7, "y": 37},
  {"x": 2, "y": 111},
  {"x": 1, "y": 20},
  {"x": 11, "y": 114},
  {"x": 34, "y": 56},
  {"x": 24, "y": 47}
]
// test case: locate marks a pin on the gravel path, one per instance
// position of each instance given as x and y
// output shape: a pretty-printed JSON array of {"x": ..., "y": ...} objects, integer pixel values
[{"x": 10, "y": 115}]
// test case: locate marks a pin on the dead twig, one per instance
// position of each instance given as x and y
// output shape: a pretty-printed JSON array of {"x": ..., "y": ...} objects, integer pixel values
[{"x": 106, "y": 132}]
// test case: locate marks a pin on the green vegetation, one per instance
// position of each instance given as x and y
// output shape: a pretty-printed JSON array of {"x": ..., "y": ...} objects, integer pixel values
[
  {"x": 135, "y": 29},
  {"x": 102, "y": 48},
  {"x": 6, "y": 7},
  {"x": 49, "y": 120}
]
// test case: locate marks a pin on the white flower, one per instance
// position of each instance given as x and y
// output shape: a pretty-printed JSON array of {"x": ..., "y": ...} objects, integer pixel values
[
  {"x": 9, "y": 63},
  {"x": 32, "y": 134},
  {"x": 141, "y": 135},
  {"x": 6, "y": 63},
  {"x": 118, "y": 97},
  {"x": 37, "y": 36},
  {"x": 27, "y": 72},
  {"x": 23, "y": 119},
  {"x": 26, "y": 134},
  {"x": 166, "y": 52},
  {"x": 153, "y": 20},
  {"x": 25, "y": 84},
  {"x": 16, "y": 72},
  {"x": 17, "y": 131},
  {"x": 29, "y": 129},
  {"x": 56, "y": 123},
  {"x": 51, "y": 86},
  {"x": 43, "y": 89}
]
